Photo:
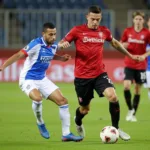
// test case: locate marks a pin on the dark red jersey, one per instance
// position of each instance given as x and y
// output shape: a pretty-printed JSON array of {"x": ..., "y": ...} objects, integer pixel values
[
  {"x": 89, "y": 45},
  {"x": 137, "y": 45}
]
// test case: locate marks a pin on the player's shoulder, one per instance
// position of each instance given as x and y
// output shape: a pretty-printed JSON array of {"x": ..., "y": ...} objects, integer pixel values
[
  {"x": 146, "y": 30},
  {"x": 80, "y": 27},
  {"x": 36, "y": 41},
  {"x": 33, "y": 43}
]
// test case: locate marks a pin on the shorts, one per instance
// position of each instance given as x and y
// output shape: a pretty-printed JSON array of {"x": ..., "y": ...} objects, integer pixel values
[
  {"x": 147, "y": 84},
  {"x": 85, "y": 87},
  {"x": 139, "y": 76},
  {"x": 45, "y": 86}
]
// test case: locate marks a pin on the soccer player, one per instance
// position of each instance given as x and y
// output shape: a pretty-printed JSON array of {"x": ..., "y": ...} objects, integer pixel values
[
  {"x": 135, "y": 40},
  {"x": 147, "y": 85},
  {"x": 90, "y": 71},
  {"x": 34, "y": 83}
]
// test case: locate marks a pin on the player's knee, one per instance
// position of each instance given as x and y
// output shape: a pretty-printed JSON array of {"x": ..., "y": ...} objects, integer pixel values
[
  {"x": 85, "y": 110},
  {"x": 62, "y": 101},
  {"x": 38, "y": 98},
  {"x": 112, "y": 98},
  {"x": 126, "y": 88}
]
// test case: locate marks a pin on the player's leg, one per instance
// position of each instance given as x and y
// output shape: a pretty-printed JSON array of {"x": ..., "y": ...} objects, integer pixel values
[
  {"x": 136, "y": 100},
  {"x": 50, "y": 91},
  {"x": 31, "y": 89},
  {"x": 140, "y": 78},
  {"x": 129, "y": 76},
  {"x": 104, "y": 87},
  {"x": 84, "y": 91},
  {"x": 114, "y": 107}
]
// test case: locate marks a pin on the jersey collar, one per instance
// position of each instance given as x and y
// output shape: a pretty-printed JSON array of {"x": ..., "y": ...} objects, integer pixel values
[{"x": 43, "y": 42}]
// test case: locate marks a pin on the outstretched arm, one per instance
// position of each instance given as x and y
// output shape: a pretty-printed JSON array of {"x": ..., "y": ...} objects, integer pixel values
[
  {"x": 62, "y": 58},
  {"x": 117, "y": 45},
  {"x": 12, "y": 59}
]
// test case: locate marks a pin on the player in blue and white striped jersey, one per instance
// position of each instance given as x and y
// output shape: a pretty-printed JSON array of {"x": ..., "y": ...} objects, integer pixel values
[{"x": 33, "y": 81}]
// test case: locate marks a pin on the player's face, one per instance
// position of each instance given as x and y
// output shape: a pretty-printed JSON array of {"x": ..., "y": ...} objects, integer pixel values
[
  {"x": 93, "y": 20},
  {"x": 49, "y": 36},
  {"x": 138, "y": 21}
]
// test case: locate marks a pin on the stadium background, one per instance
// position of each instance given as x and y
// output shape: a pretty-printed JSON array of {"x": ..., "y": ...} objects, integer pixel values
[{"x": 20, "y": 22}]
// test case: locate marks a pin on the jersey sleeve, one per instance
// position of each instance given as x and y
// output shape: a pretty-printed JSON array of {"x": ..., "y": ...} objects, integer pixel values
[
  {"x": 108, "y": 35},
  {"x": 71, "y": 35},
  {"x": 124, "y": 36},
  {"x": 30, "y": 48}
]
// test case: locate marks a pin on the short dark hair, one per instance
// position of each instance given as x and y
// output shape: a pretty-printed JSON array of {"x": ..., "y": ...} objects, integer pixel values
[
  {"x": 138, "y": 13},
  {"x": 48, "y": 25},
  {"x": 95, "y": 9}
]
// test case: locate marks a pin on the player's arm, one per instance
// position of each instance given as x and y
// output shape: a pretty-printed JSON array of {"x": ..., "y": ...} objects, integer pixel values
[
  {"x": 70, "y": 36},
  {"x": 118, "y": 45},
  {"x": 12, "y": 59},
  {"x": 62, "y": 58}
]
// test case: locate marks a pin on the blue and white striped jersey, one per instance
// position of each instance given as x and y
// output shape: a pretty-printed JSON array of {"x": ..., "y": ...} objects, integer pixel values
[
  {"x": 148, "y": 58},
  {"x": 38, "y": 59}
]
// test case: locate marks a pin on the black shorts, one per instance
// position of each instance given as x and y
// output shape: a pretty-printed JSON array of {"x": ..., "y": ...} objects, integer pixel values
[
  {"x": 85, "y": 87},
  {"x": 139, "y": 76}
]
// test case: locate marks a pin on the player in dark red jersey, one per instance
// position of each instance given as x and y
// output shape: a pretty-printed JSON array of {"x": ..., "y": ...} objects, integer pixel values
[
  {"x": 90, "y": 71},
  {"x": 135, "y": 40}
]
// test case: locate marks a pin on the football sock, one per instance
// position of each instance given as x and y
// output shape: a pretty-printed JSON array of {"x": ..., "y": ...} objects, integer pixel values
[
  {"x": 79, "y": 117},
  {"x": 65, "y": 119},
  {"x": 136, "y": 101},
  {"x": 127, "y": 95},
  {"x": 37, "y": 109},
  {"x": 114, "y": 109}
]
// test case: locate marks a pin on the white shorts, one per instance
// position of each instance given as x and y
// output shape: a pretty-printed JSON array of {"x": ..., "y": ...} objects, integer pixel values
[
  {"x": 45, "y": 86},
  {"x": 147, "y": 84}
]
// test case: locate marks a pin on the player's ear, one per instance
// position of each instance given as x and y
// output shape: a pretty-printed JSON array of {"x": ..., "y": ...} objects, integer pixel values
[{"x": 43, "y": 33}]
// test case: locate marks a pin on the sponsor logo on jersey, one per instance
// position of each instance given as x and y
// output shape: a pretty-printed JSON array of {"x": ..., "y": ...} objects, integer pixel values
[
  {"x": 92, "y": 40},
  {"x": 130, "y": 40},
  {"x": 46, "y": 59}
]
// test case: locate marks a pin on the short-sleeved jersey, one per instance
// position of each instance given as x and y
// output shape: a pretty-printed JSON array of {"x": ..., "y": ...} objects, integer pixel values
[
  {"x": 89, "y": 49},
  {"x": 148, "y": 58},
  {"x": 137, "y": 45},
  {"x": 38, "y": 59}
]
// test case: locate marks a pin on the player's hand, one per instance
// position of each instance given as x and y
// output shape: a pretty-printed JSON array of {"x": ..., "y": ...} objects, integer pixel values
[
  {"x": 66, "y": 57},
  {"x": 138, "y": 57},
  {"x": 64, "y": 44},
  {"x": 141, "y": 57}
]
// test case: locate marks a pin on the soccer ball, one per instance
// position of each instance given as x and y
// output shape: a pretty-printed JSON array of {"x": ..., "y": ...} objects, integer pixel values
[{"x": 109, "y": 135}]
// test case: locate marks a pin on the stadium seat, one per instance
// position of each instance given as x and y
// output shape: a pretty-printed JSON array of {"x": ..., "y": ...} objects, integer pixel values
[{"x": 9, "y": 3}]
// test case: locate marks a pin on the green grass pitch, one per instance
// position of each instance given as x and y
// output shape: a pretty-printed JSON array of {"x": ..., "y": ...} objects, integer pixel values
[{"x": 18, "y": 130}]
